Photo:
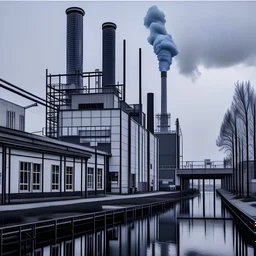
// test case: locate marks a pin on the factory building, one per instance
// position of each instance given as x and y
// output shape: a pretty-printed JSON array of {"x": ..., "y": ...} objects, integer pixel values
[
  {"x": 90, "y": 110},
  {"x": 169, "y": 142},
  {"x": 35, "y": 167},
  {"x": 95, "y": 143}
]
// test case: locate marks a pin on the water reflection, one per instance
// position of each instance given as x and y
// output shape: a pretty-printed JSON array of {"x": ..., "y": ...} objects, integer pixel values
[{"x": 190, "y": 228}]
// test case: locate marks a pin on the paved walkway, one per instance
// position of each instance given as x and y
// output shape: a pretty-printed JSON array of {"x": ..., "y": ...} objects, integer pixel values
[
  {"x": 15, "y": 207},
  {"x": 243, "y": 206}
]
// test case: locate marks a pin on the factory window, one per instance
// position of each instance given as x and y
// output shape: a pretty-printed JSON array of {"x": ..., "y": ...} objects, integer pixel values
[
  {"x": 99, "y": 178},
  {"x": 55, "y": 177},
  {"x": 100, "y": 134},
  {"x": 112, "y": 234},
  {"x": 22, "y": 123},
  {"x": 90, "y": 178},
  {"x": 68, "y": 248},
  {"x": 99, "y": 244},
  {"x": 36, "y": 176},
  {"x": 89, "y": 245},
  {"x": 10, "y": 119},
  {"x": 55, "y": 250},
  {"x": 38, "y": 252},
  {"x": 91, "y": 106},
  {"x": 25, "y": 169},
  {"x": 69, "y": 178},
  {"x": 113, "y": 177}
]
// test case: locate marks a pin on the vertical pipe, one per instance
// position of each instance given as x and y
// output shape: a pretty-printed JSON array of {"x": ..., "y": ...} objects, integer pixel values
[
  {"x": 204, "y": 197},
  {"x": 214, "y": 198},
  {"x": 46, "y": 97},
  {"x": 140, "y": 97},
  {"x": 164, "y": 118},
  {"x": 150, "y": 112},
  {"x": 124, "y": 69},
  {"x": 177, "y": 144}
]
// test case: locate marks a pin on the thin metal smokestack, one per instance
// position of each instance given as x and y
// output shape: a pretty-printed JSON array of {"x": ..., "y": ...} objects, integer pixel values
[
  {"x": 150, "y": 112},
  {"x": 108, "y": 53},
  {"x": 164, "y": 115},
  {"x": 75, "y": 45}
]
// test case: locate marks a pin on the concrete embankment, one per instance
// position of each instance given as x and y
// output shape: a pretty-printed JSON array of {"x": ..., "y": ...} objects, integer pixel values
[
  {"x": 24, "y": 213},
  {"x": 244, "y": 212}
]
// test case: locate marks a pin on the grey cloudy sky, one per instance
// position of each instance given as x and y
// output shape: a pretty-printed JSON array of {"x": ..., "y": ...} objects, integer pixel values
[{"x": 216, "y": 42}]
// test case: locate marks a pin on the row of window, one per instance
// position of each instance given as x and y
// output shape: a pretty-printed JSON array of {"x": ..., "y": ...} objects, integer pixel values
[
  {"x": 10, "y": 121},
  {"x": 31, "y": 177}
]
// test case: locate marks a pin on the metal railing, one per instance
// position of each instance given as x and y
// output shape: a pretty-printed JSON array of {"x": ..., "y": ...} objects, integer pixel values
[
  {"x": 34, "y": 234},
  {"x": 204, "y": 165},
  {"x": 15, "y": 236}
]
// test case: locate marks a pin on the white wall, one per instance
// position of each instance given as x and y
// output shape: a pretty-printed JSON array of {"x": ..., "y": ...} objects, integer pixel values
[
  {"x": 112, "y": 119},
  {"x": 107, "y": 99},
  {"x": 33, "y": 157},
  {"x": 125, "y": 153},
  {"x": 8, "y": 106}
]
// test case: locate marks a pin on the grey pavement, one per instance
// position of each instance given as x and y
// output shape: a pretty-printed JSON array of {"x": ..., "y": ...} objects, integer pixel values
[
  {"x": 245, "y": 207},
  {"x": 15, "y": 207}
]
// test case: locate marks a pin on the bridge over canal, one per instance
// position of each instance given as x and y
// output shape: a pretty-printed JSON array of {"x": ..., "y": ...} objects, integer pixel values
[{"x": 204, "y": 170}]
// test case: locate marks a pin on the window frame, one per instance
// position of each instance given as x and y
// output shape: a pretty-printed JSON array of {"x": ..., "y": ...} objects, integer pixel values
[
  {"x": 22, "y": 123},
  {"x": 99, "y": 178},
  {"x": 23, "y": 170},
  {"x": 90, "y": 178},
  {"x": 68, "y": 185},
  {"x": 55, "y": 172},
  {"x": 10, "y": 119},
  {"x": 38, "y": 173},
  {"x": 30, "y": 177}
]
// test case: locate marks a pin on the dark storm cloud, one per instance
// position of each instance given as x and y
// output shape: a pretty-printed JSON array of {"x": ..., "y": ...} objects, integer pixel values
[{"x": 216, "y": 36}]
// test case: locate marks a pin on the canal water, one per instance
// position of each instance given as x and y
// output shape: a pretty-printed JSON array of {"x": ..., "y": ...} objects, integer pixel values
[{"x": 200, "y": 226}]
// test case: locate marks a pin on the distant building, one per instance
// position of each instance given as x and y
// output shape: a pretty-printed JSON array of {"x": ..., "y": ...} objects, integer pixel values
[
  {"x": 12, "y": 115},
  {"x": 169, "y": 155}
]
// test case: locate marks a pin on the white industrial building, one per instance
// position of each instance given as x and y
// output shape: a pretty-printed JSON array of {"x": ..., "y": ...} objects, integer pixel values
[
  {"x": 134, "y": 160},
  {"x": 35, "y": 167},
  {"x": 95, "y": 143}
]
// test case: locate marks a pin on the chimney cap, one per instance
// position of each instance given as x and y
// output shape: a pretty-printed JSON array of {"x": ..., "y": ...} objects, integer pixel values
[
  {"x": 109, "y": 24},
  {"x": 75, "y": 9}
]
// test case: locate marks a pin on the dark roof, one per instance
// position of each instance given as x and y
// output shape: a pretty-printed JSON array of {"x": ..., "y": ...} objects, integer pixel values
[{"x": 19, "y": 139}]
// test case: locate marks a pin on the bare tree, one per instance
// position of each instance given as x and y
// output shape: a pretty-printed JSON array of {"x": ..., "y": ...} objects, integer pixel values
[
  {"x": 253, "y": 128},
  {"x": 232, "y": 119},
  {"x": 242, "y": 100},
  {"x": 226, "y": 140}
]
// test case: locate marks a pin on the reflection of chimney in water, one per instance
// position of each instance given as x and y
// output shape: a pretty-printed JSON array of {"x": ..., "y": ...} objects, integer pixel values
[{"x": 164, "y": 115}]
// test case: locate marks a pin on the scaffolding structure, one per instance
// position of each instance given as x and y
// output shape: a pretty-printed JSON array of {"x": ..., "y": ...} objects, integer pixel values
[
  {"x": 163, "y": 126},
  {"x": 58, "y": 95}
]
